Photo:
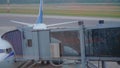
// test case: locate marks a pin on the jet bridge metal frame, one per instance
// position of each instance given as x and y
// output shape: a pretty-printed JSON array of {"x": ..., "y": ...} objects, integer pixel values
[
  {"x": 102, "y": 26},
  {"x": 82, "y": 36},
  {"x": 85, "y": 58},
  {"x": 82, "y": 29}
]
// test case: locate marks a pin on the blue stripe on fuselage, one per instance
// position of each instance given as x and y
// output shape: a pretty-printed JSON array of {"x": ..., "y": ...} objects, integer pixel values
[{"x": 10, "y": 54}]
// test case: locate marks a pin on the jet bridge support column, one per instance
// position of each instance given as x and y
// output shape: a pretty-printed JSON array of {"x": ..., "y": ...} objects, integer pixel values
[
  {"x": 43, "y": 40},
  {"x": 36, "y": 45},
  {"x": 82, "y": 44},
  {"x": 103, "y": 64}
]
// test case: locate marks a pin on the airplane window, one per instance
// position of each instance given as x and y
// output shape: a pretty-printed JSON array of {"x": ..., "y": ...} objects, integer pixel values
[
  {"x": 8, "y": 50},
  {"x": 1, "y": 51}
]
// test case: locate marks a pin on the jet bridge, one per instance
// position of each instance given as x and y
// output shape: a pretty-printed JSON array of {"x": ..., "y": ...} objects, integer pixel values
[
  {"x": 36, "y": 44},
  {"x": 79, "y": 45}
]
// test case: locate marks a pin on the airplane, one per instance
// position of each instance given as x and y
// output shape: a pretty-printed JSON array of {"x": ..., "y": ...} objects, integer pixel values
[
  {"x": 6, "y": 51},
  {"x": 39, "y": 23}
]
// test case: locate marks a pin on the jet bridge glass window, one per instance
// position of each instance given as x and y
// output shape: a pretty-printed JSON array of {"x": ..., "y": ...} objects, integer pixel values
[
  {"x": 29, "y": 43},
  {"x": 8, "y": 50},
  {"x": 103, "y": 42}
]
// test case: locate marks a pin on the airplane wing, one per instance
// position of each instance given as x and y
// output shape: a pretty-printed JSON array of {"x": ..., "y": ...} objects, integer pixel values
[
  {"x": 22, "y": 23},
  {"x": 62, "y": 23}
]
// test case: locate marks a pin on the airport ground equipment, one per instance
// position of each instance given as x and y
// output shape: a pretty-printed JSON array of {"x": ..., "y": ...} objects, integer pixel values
[{"x": 76, "y": 46}]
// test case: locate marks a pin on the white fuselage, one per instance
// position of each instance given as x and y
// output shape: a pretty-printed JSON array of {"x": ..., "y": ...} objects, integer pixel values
[{"x": 6, "y": 51}]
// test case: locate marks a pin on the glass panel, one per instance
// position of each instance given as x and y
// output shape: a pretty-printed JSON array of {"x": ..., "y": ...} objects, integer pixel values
[
  {"x": 104, "y": 42},
  {"x": 67, "y": 38}
]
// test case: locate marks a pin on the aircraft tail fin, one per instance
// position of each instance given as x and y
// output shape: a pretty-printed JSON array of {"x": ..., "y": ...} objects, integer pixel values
[{"x": 40, "y": 16}]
